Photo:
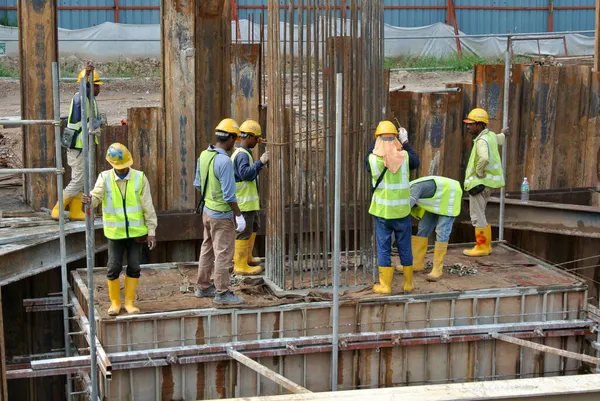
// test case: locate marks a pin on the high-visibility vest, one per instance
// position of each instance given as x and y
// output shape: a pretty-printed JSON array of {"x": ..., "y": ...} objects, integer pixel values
[
  {"x": 123, "y": 216},
  {"x": 77, "y": 126},
  {"x": 391, "y": 199},
  {"x": 493, "y": 175},
  {"x": 214, "y": 193},
  {"x": 246, "y": 192},
  {"x": 446, "y": 200}
]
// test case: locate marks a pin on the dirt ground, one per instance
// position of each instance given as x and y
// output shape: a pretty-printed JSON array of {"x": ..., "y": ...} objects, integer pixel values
[{"x": 163, "y": 290}]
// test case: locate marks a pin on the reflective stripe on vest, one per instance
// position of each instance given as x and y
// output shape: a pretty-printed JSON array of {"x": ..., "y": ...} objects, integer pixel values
[
  {"x": 493, "y": 174},
  {"x": 214, "y": 193},
  {"x": 77, "y": 126},
  {"x": 123, "y": 217},
  {"x": 447, "y": 198},
  {"x": 246, "y": 192},
  {"x": 391, "y": 199}
]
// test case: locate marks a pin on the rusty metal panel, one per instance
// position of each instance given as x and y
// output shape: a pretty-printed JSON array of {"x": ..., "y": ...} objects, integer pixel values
[
  {"x": 245, "y": 81},
  {"x": 38, "y": 49}
]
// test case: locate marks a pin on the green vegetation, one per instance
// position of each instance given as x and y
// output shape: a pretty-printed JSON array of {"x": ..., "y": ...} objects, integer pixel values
[
  {"x": 466, "y": 63},
  {"x": 8, "y": 72},
  {"x": 4, "y": 20}
]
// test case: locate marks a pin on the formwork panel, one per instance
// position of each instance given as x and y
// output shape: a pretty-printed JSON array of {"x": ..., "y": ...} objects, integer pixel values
[
  {"x": 371, "y": 317},
  {"x": 247, "y": 326},
  {"x": 461, "y": 367},
  {"x": 317, "y": 322},
  {"x": 220, "y": 329},
  {"x": 416, "y": 370},
  {"x": 396, "y": 366},
  {"x": 440, "y": 314},
  {"x": 395, "y": 319},
  {"x": 486, "y": 309},
  {"x": 346, "y": 374},
  {"x": 416, "y": 315},
  {"x": 552, "y": 362},
  {"x": 347, "y": 319},
  {"x": 509, "y": 310},
  {"x": 368, "y": 371},
  {"x": 464, "y": 312},
  {"x": 318, "y": 371},
  {"x": 267, "y": 386},
  {"x": 534, "y": 308},
  {"x": 507, "y": 360},
  {"x": 437, "y": 363},
  {"x": 484, "y": 359}
]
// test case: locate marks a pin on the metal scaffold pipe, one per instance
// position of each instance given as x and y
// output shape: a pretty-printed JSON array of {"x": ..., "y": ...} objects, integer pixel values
[
  {"x": 19, "y": 123},
  {"x": 504, "y": 146},
  {"x": 89, "y": 227},
  {"x": 42, "y": 170},
  {"x": 61, "y": 224}
]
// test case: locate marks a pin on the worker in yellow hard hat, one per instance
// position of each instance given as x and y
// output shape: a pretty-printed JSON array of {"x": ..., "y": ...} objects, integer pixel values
[
  {"x": 216, "y": 182},
  {"x": 246, "y": 172},
  {"x": 484, "y": 173},
  {"x": 390, "y": 205},
  {"x": 73, "y": 140},
  {"x": 129, "y": 221}
]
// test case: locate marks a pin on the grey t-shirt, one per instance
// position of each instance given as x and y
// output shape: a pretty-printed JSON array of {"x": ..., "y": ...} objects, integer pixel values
[{"x": 424, "y": 189}]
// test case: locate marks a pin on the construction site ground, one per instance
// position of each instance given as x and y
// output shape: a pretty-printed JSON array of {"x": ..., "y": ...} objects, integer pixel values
[{"x": 163, "y": 289}]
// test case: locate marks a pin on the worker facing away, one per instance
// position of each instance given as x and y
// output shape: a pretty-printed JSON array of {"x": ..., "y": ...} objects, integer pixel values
[
  {"x": 390, "y": 205},
  {"x": 246, "y": 190},
  {"x": 129, "y": 222},
  {"x": 216, "y": 181},
  {"x": 484, "y": 173},
  {"x": 73, "y": 191},
  {"x": 436, "y": 202}
]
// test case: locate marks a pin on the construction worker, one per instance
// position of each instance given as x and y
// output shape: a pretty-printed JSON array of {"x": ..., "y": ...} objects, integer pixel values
[
  {"x": 73, "y": 191},
  {"x": 436, "y": 202},
  {"x": 390, "y": 205},
  {"x": 246, "y": 192},
  {"x": 484, "y": 173},
  {"x": 129, "y": 221},
  {"x": 216, "y": 180}
]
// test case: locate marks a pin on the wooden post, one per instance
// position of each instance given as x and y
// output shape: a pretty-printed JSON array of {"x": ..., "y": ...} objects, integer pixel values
[
  {"x": 245, "y": 78},
  {"x": 38, "y": 48},
  {"x": 597, "y": 42}
]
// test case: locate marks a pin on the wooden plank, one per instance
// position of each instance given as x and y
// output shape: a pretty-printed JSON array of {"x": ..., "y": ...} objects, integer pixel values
[
  {"x": 245, "y": 79},
  {"x": 179, "y": 101},
  {"x": 597, "y": 39},
  {"x": 516, "y": 140},
  {"x": 591, "y": 154},
  {"x": 38, "y": 48}
]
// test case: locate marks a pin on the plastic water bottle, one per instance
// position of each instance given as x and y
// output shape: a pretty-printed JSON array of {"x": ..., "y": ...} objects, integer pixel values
[{"x": 525, "y": 191}]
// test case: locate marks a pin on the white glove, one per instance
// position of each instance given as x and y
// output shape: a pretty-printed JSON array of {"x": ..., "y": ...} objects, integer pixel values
[
  {"x": 241, "y": 223},
  {"x": 265, "y": 157},
  {"x": 403, "y": 135}
]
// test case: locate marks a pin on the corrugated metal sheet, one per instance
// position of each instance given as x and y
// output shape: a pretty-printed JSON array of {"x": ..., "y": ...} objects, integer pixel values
[{"x": 470, "y": 21}]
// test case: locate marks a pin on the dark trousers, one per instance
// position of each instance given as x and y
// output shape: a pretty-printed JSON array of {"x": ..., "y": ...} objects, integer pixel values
[
  {"x": 116, "y": 248},
  {"x": 252, "y": 225},
  {"x": 402, "y": 229}
]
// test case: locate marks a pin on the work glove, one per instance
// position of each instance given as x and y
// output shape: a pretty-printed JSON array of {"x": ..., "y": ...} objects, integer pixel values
[
  {"x": 241, "y": 223},
  {"x": 403, "y": 135},
  {"x": 505, "y": 130},
  {"x": 265, "y": 157}
]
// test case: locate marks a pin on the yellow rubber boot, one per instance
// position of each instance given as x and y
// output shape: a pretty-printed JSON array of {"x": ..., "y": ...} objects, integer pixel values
[
  {"x": 55, "y": 211},
  {"x": 76, "y": 208},
  {"x": 252, "y": 261},
  {"x": 483, "y": 242},
  {"x": 114, "y": 293},
  {"x": 408, "y": 281},
  {"x": 386, "y": 275},
  {"x": 240, "y": 259},
  {"x": 419, "y": 249},
  {"x": 439, "y": 254},
  {"x": 130, "y": 291}
]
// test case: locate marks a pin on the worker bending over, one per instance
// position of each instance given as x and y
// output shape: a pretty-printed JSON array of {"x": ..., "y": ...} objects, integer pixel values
[
  {"x": 246, "y": 191},
  {"x": 436, "y": 202},
  {"x": 390, "y": 205},
  {"x": 216, "y": 180},
  {"x": 129, "y": 221},
  {"x": 484, "y": 173},
  {"x": 73, "y": 191}
]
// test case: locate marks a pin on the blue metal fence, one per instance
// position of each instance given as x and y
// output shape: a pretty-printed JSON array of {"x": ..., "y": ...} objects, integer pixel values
[{"x": 473, "y": 16}]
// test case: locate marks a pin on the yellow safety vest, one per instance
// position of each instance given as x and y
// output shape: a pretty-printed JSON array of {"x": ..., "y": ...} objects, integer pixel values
[
  {"x": 214, "y": 193},
  {"x": 445, "y": 202},
  {"x": 493, "y": 174},
  {"x": 391, "y": 199},
  {"x": 77, "y": 126},
  {"x": 123, "y": 217},
  {"x": 246, "y": 192}
]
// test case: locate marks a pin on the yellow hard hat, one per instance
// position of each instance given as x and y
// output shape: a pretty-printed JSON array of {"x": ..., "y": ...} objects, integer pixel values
[
  {"x": 251, "y": 127},
  {"x": 386, "y": 127},
  {"x": 97, "y": 80},
  {"x": 230, "y": 126},
  {"x": 119, "y": 156},
  {"x": 477, "y": 116}
]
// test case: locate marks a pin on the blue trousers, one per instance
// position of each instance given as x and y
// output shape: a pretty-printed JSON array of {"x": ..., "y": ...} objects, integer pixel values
[
  {"x": 383, "y": 233},
  {"x": 441, "y": 224}
]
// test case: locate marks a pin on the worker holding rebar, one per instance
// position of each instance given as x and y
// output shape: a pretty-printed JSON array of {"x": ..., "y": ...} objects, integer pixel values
[
  {"x": 215, "y": 179},
  {"x": 129, "y": 221},
  {"x": 484, "y": 173},
  {"x": 73, "y": 191},
  {"x": 390, "y": 204},
  {"x": 246, "y": 190},
  {"x": 435, "y": 201}
]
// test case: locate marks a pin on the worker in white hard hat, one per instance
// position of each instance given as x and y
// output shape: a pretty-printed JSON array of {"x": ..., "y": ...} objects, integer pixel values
[
  {"x": 390, "y": 205},
  {"x": 129, "y": 221},
  {"x": 73, "y": 191},
  {"x": 216, "y": 182},
  {"x": 246, "y": 172},
  {"x": 484, "y": 174}
]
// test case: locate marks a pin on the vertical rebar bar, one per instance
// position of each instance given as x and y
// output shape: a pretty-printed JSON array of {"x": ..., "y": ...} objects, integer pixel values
[
  {"x": 89, "y": 227},
  {"x": 504, "y": 124},
  {"x": 336, "y": 231},
  {"x": 61, "y": 221}
]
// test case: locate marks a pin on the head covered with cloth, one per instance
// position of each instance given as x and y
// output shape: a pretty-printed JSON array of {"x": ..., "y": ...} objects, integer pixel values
[{"x": 388, "y": 146}]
